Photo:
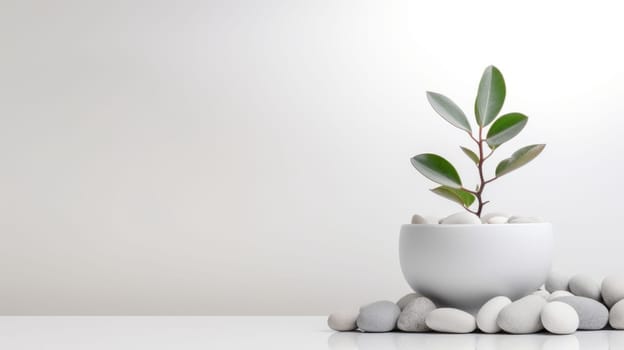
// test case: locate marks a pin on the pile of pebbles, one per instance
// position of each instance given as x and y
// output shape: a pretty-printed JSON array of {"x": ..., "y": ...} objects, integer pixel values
[
  {"x": 565, "y": 304},
  {"x": 469, "y": 218}
]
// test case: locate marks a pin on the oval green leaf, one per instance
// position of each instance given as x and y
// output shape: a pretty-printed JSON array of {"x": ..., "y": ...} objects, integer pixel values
[
  {"x": 490, "y": 96},
  {"x": 505, "y": 128},
  {"x": 473, "y": 156},
  {"x": 459, "y": 196},
  {"x": 437, "y": 169},
  {"x": 448, "y": 110},
  {"x": 518, "y": 159}
]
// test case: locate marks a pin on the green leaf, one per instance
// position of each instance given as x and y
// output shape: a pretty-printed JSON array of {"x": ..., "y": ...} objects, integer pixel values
[
  {"x": 448, "y": 110},
  {"x": 462, "y": 197},
  {"x": 473, "y": 156},
  {"x": 437, "y": 169},
  {"x": 505, "y": 128},
  {"x": 518, "y": 159},
  {"x": 490, "y": 96}
]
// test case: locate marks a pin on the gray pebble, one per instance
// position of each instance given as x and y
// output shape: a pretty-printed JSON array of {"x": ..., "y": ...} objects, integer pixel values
[
  {"x": 592, "y": 314},
  {"x": 380, "y": 316},
  {"x": 557, "y": 280},
  {"x": 406, "y": 299},
  {"x": 522, "y": 316},
  {"x": 412, "y": 317},
  {"x": 343, "y": 321},
  {"x": 612, "y": 289},
  {"x": 585, "y": 286}
]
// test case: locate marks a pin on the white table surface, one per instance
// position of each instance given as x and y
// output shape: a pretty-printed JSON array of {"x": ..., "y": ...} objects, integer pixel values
[{"x": 270, "y": 332}]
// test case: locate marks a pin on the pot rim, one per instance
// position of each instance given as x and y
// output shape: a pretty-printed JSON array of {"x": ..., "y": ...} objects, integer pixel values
[{"x": 477, "y": 225}]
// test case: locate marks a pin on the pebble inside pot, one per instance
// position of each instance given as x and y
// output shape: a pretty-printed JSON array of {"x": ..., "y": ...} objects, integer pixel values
[{"x": 467, "y": 258}]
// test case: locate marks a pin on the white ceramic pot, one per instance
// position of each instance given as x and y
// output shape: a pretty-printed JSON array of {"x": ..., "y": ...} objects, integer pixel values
[{"x": 463, "y": 266}]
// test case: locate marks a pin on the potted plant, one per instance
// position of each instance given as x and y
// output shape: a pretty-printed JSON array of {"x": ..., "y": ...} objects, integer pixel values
[{"x": 464, "y": 263}]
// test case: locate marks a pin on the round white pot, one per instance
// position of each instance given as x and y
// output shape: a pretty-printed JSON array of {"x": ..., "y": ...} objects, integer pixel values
[{"x": 463, "y": 266}]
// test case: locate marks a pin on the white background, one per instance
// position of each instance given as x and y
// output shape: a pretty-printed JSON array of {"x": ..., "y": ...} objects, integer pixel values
[{"x": 252, "y": 157}]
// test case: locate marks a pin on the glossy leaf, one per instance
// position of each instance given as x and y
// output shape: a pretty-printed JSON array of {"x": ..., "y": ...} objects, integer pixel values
[
  {"x": 448, "y": 110},
  {"x": 518, "y": 159},
  {"x": 490, "y": 96},
  {"x": 437, "y": 169},
  {"x": 459, "y": 196},
  {"x": 505, "y": 128},
  {"x": 473, "y": 156}
]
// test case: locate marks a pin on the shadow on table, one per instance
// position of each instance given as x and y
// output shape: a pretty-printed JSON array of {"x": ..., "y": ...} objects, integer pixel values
[{"x": 598, "y": 340}]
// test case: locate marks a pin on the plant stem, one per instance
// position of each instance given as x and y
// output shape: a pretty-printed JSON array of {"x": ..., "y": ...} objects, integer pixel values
[
  {"x": 482, "y": 181},
  {"x": 480, "y": 166}
]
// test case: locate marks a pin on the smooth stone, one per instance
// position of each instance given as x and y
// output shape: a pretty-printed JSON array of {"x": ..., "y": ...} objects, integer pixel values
[
  {"x": 612, "y": 289},
  {"x": 496, "y": 220},
  {"x": 380, "y": 316},
  {"x": 616, "y": 315},
  {"x": 558, "y": 294},
  {"x": 486, "y": 217},
  {"x": 343, "y": 321},
  {"x": 522, "y": 316},
  {"x": 461, "y": 218},
  {"x": 449, "y": 320},
  {"x": 585, "y": 286},
  {"x": 557, "y": 280},
  {"x": 592, "y": 314},
  {"x": 406, "y": 299},
  {"x": 412, "y": 317},
  {"x": 488, "y": 313},
  {"x": 542, "y": 293},
  {"x": 417, "y": 219},
  {"x": 524, "y": 220},
  {"x": 559, "y": 318}
]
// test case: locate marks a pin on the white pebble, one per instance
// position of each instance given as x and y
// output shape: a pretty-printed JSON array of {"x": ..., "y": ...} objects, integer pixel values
[
  {"x": 497, "y": 220},
  {"x": 486, "y": 217},
  {"x": 559, "y": 318},
  {"x": 616, "y": 315},
  {"x": 343, "y": 321},
  {"x": 417, "y": 219},
  {"x": 522, "y": 316},
  {"x": 461, "y": 218},
  {"x": 487, "y": 315},
  {"x": 449, "y": 320}
]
